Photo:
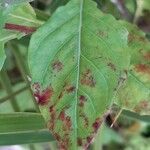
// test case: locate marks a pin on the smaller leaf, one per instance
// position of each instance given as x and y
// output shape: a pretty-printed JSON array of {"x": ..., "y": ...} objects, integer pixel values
[
  {"x": 135, "y": 94},
  {"x": 22, "y": 18}
]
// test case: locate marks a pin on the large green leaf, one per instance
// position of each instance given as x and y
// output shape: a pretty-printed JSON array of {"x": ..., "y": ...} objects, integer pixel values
[
  {"x": 135, "y": 93},
  {"x": 76, "y": 65}
]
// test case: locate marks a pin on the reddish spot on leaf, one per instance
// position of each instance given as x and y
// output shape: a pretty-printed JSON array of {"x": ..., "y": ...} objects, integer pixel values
[
  {"x": 51, "y": 108},
  {"x": 88, "y": 79},
  {"x": 143, "y": 68},
  {"x": 143, "y": 105},
  {"x": 57, "y": 66},
  {"x": 147, "y": 56},
  {"x": 112, "y": 66},
  {"x": 79, "y": 141},
  {"x": 60, "y": 95},
  {"x": 89, "y": 139},
  {"x": 70, "y": 89},
  {"x": 62, "y": 115},
  {"x": 82, "y": 99},
  {"x": 52, "y": 120},
  {"x": 68, "y": 123},
  {"x": 85, "y": 119},
  {"x": 44, "y": 96},
  {"x": 97, "y": 124},
  {"x": 64, "y": 145},
  {"x": 57, "y": 136}
]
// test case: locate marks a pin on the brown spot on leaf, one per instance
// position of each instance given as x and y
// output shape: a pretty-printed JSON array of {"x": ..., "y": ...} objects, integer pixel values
[
  {"x": 85, "y": 119},
  {"x": 68, "y": 123},
  {"x": 147, "y": 56},
  {"x": 89, "y": 139},
  {"x": 133, "y": 37},
  {"x": 70, "y": 88},
  {"x": 51, "y": 108},
  {"x": 112, "y": 66},
  {"x": 57, "y": 136},
  {"x": 61, "y": 95},
  {"x": 57, "y": 66},
  {"x": 143, "y": 105},
  {"x": 64, "y": 144},
  {"x": 52, "y": 120},
  {"x": 142, "y": 68},
  {"x": 79, "y": 141},
  {"x": 88, "y": 79},
  {"x": 102, "y": 34},
  {"x": 62, "y": 115},
  {"x": 44, "y": 96},
  {"x": 82, "y": 100},
  {"x": 96, "y": 124}
]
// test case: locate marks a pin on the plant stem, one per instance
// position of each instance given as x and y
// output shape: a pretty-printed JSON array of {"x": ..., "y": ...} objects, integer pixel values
[
  {"x": 116, "y": 118},
  {"x": 2, "y": 100},
  {"x": 23, "y": 69},
  {"x": 5, "y": 81}
]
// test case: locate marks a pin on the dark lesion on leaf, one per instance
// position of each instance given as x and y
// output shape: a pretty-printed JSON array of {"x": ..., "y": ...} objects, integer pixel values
[
  {"x": 142, "y": 68},
  {"x": 147, "y": 56},
  {"x": 88, "y": 79},
  {"x": 70, "y": 88},
  {"x": 85, "y": 119},
  {"x": 82, "y": 100},
  {"x": 57, "y": 65},
  {"x": 79, "y": 141},
  {"x": 102, "y": 34},
  {"x": 97, "y": 124},
  {"x": 112, "y": 66},
  {"x": 143, "y": 105},
  {"x": 132, "y": 38},
  {"x": 42, "y": 96}
]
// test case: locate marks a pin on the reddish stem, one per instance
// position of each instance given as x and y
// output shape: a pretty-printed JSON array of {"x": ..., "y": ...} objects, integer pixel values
[{"x": 20, "y": 28}]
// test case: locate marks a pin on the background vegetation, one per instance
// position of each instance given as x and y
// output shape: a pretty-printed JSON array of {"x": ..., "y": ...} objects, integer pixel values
[{"x": 129, "y": 132}]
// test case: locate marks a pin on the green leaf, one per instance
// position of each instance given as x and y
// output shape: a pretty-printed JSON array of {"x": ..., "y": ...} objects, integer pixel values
[
  {"x": 21, "y": 122},
  {"x": 7, "y": 6},
  {"x": 135, "y": 93},
  {"x": 23, "y": 128},
  {"x": 75, "y": 65},
  {"x": 23, "y": 15},
  {"x": 135, "y": 116},
  {"x": 4, "y": 37},
  {"x": 25, "y": 137}
]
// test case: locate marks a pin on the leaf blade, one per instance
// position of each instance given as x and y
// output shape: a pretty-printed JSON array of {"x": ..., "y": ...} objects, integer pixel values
[
  {"x": 135, "y": 93},
  {"x": 23, "y": 128},
  {"x": 82, "y": 79}
]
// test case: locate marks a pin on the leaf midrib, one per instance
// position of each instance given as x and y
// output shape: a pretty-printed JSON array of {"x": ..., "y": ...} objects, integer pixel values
[{"x": 78, "y": 64}]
